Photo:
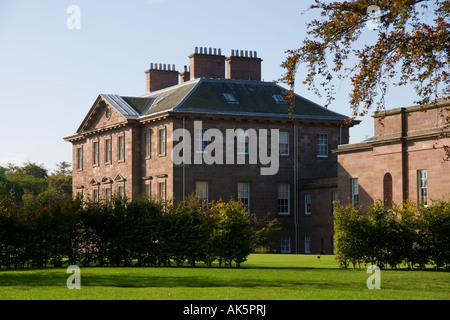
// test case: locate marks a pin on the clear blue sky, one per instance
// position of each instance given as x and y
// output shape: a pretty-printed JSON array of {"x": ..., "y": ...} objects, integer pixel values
[{"x": 51, "y": 75}]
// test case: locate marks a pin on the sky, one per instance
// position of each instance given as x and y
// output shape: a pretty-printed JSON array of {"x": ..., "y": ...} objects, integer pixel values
[{"x": 51, "y": 73}]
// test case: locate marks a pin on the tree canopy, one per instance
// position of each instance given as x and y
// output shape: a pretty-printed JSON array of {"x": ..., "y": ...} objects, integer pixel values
[{"x": 412, "y": 48}]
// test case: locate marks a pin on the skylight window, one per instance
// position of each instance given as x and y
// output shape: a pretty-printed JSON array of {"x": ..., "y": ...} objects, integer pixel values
[
  {"x": 279, "y": 99},
  {"x": 230, "y": 98}
]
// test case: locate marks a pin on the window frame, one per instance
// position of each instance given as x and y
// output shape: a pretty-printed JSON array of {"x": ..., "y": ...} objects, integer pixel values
[
  {"x": 95, "y": 153},
  {"x": 280, "y": 148},
  {"x": 162, "y": 142},
  {"x": 108, "y": 194},
  {"x": 334, "y": 198},
  {"x": 355, "y": 192},
  {"x": 230, "y": 98},
  {"x": 80, "y": 158},
  {"x": 95, "y": 195},
  {"x": 279, "y": 99},
  {"x": 307, "y": 244},
  {"x": 422, "y": 187},
  {"x": 162, "y": 192},
  {"x": 243, "y": 142},
  {"x": 121, "y": 148},
  {"x": 148, "y": 190},
  {"x": 286, "y": 205},
  {"x": 240, "y": 197},
  {"x": 204, "y": 197},
  {"x": 121, "y": 191},
  {"x": 307, "y": 199},
  {"x": 285, "y": 244},
  {"x": 321, "y": 145},
  {"x": 148, "y": 144},
  {"x": 108, "y": 150},
  {"x": 201, "y": 140}
]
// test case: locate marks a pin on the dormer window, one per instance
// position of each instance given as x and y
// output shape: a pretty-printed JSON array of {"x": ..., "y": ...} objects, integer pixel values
[
  {"x": 230, "y": 98},
  {"x": 279, "y": 99}
]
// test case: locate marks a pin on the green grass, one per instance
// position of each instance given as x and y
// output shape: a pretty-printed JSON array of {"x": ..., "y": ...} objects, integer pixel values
[{"x": 263, "y": 276}]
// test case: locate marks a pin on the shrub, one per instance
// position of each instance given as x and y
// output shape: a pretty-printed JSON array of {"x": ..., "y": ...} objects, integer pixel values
[{"x": 388, "y": 237}]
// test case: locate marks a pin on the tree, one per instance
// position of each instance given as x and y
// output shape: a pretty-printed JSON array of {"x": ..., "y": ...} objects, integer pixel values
[
  {"x": 232, "y": 237},
  {"x": 33, "y": 169},
  {"x": 61, "y": 179},
  {"x": 412, "y": 48}
]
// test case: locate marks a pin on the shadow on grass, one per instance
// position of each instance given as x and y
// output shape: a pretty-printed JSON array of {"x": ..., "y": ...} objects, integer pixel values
[{"x": 58, "y": 277}]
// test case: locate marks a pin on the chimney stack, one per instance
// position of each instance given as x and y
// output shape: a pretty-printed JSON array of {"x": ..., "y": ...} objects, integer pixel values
[
  {"x": 161, "y": 76},
  {"x": 185, "y": 75},
  {"x": 244, "y": 65},
  {"x": 207, "y": 63}
]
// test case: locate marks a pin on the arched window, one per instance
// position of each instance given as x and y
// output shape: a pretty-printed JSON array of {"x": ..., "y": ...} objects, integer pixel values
[{"x": 387, "y": 190}]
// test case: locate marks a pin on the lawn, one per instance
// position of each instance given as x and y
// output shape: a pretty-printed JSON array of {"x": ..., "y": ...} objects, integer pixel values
[{"x": 262, "y": 277}]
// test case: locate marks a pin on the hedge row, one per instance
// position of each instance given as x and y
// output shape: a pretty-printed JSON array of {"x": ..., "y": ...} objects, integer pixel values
[
  {"x": 48, "y": 231},
  {"x": 386, "y": 237}
]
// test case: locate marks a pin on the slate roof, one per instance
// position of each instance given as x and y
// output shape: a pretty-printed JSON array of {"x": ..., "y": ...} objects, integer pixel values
[
  {"x": 204, "y": 95},
  {"x": 253, "y": 97}
]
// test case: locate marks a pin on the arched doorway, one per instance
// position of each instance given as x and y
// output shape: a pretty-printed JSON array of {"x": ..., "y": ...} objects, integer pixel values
[{"x": 387, "y": 190}]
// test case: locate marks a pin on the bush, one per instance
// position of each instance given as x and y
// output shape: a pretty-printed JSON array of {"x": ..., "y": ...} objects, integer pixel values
[
  {"x": 52, "y": 229},
  {"x": 389, "y": 237}
]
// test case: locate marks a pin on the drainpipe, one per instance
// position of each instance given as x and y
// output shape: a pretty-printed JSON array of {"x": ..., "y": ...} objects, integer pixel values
[
  {"x": 184, "y": 160},
  {"x": 404, "y": 150},
  {"x": 295, "y": 157}
]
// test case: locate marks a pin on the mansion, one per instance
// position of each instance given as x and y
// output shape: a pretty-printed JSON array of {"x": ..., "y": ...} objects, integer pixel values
[{"x": 126, "y": 145}]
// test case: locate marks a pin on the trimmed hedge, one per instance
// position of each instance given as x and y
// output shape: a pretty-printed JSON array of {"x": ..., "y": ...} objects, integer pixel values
[
  {"x": 386, "y": 237},
  {"x": 50, "y": 230}
]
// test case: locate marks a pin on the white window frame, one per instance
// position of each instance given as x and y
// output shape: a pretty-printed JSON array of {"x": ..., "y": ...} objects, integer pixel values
[
  {"x": 283, "y": 143},
  {"x": 243, "y": 141},
  {"x": 108, "y": 194},
  {"x": 201, "y": 192},
  {"x": 148, "y": 144},
  {"x": 355, "y": 192},
  {"x": 283, "y": 199},
  {"x": 148, "y": 191},
  {"x": 308, "y": 204},
  {"x": 322, "y": 145},
  {"x": 162, "y": 192},
  {"x": 121, "y": 148},
  {"x": 334, "y": 198},
  {"x": 80, "y": 158},
  {"x": 243, "y": 189},
  {"x": 285, "y": 244},
  {"x": 96, "y": 153},
  {"x": 121, "y": 191},
  {"x": 422, "y": 187},
  {"x": 95, "y": 195},
  {"x": 108, "y": 150},
  {"x": 307, "y": 244},
  {"x": 201, "y": 136},
  {"x": 162, "y": 142}
]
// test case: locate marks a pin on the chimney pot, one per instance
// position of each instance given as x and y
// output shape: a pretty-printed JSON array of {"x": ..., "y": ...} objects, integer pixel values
[
  {"x": 160, "y": 76},
  {"x": 243, "y": 65},
  {"x": 209, "y": 64}
]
